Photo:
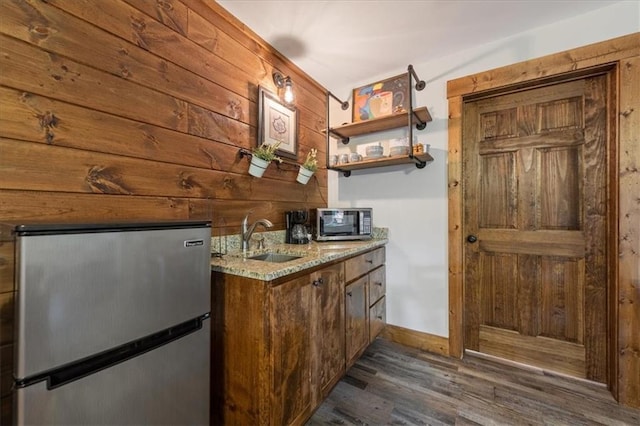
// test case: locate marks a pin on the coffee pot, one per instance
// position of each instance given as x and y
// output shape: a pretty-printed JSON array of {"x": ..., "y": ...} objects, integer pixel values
[{"x": 297, "y": 231}]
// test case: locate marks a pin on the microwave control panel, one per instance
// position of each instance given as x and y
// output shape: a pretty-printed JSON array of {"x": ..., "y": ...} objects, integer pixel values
[{"x": 365, "y": 224}]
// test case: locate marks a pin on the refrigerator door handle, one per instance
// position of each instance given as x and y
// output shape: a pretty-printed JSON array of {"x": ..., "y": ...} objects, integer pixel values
[{"x": 76, "y": 370}]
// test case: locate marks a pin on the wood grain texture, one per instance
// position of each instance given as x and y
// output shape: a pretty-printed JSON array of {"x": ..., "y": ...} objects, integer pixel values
[
  {"x": 377, "y": 284},
  {"x": 239, "y": 353},
  {"x": 290, "y": 346},
  {"x": 132, "y": 49},
  {"x": 542, "y": 352},
  {"x": 356, "y": 319},
  {"x": 621, "y": 53},
  {"x": 328, "y": 343},
  {"x": 229, "y": 24},
  {"x": 563, "y": 62},
  {"x": 377, "y": 318},
  {"x": 416, "y": 339},
  {"x": 455, "y": 197},
  {"x": 397, "y": 384},
  {"x": 628, "y": 295},
  {"x": 298, "y": 322},
  {"x": 360, "y": 265},
  {"x": 137, "y": 110},
  {"x": 26, "y": 67},
  {"x": 539, "y": 200},
  {"x": 7, "y": 266}
]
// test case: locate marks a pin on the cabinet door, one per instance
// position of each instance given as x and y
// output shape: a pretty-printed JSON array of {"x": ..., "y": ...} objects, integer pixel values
[
  {"x": 291, "y": 351},
  {"x": 356, "y": 310},
  {"x": 328, "y": 328}
]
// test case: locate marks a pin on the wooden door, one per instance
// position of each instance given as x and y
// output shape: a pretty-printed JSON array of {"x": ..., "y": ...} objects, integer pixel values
[
  {"x": 291, "y": 351},
  {"x": 327, "y": 321},
  {"x": 535, "y": 209}
]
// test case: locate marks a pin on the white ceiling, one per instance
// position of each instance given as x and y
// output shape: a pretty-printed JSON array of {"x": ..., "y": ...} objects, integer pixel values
[{"x": 343, "y": 42}]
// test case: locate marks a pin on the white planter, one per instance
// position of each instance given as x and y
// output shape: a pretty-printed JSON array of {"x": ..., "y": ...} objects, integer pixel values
[
  {"x": 304, "y": 175},
  {"x": 258, "y": 166}
]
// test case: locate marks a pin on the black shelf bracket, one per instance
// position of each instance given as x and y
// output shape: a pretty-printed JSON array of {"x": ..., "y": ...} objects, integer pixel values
[
  {"x": 343, "y": 139},
  {"x": 420, "y": 125},
  {"x": 345, "y": 173},
  {"x": 420, "y": 84},
  {"x": 419, "y": 163},
  {"x": 344, "y": 105}
]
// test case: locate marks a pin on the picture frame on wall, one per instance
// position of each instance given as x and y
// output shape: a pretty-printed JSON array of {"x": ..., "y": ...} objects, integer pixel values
[
  {"x": 277, "y": 122},
  {"x": 385, "y": 97}
]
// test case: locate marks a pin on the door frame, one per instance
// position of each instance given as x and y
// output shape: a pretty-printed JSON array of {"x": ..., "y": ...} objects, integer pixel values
[{"x": 622, "y": 55}]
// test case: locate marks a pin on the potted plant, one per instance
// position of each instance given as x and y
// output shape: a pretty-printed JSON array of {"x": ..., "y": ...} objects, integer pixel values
[
  {"x": 261, "y": 157},
  {"x": 308, "y": 168}
]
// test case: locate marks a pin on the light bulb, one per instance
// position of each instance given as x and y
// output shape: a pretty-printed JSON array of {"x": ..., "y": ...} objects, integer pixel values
[{"x": 288, "y": 91}]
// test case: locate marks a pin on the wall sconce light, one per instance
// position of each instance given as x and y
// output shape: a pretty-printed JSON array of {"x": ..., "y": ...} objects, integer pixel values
[{"x": 285, "y": 83}]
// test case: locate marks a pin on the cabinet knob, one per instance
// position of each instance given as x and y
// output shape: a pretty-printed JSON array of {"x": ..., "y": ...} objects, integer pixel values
[
  {"x": 318, "y": 282},
  {"x": 379, "y": 317},
  {"x": 472, "y": 239},
  {"x": 349, "y": 294},
  {"x": 369, "y": 260},
  {"x": 378, "y": 283}
]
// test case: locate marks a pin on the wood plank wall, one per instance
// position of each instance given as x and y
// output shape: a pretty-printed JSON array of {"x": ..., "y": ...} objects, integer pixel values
[{"x": 137, "y": 109}]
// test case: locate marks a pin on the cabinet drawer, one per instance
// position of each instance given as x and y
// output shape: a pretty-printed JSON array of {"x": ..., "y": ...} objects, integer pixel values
[
  {"x": 364, "y": 263},
  {"x": 377, "y": 318},
  {"x": 377, "y": 284}
]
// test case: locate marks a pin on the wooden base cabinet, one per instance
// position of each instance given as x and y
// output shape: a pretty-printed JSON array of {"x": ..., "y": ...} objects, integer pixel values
[
  {"x": 277, "y": 347},
  {"x": 377, "y": 302},
  {"x": 356, "y": 311},
  {"x": 364, "y": 301}
]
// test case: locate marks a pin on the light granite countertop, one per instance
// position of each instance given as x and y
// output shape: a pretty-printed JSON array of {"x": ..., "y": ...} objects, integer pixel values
[{"x": 312, "y": 255}]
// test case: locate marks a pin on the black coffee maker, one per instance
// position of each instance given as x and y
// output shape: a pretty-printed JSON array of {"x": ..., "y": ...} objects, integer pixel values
[{"x": 297, "y": 230}]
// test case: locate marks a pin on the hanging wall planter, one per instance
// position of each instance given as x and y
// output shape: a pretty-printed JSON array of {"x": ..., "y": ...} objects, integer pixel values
[
  {"x": 308, "y": 168},
  {"x": 304, "y": 175},
  {"x": 261, "y": 157},
  {"x": 258, "y": 166}
]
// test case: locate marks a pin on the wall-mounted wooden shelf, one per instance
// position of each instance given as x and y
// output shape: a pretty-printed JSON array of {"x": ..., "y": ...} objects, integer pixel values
[
  {"x": 420, "y": 160},
  {"x": 416, "y": 116},
  {"x": 420, "y": 117}
]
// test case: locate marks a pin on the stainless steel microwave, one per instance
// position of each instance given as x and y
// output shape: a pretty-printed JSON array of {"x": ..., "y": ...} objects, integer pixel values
[{"x": 344, "y": 224}]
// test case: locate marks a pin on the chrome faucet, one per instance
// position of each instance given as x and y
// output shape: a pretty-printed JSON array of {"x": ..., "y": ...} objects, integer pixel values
[{"x": 247, "y": 230}]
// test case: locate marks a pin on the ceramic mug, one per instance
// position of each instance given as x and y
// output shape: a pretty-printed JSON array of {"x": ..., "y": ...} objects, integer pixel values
[
  {"x": 344, "y": 159},
  {"x": 355, "y": 157},
  {"x": 333, "y": 160}
]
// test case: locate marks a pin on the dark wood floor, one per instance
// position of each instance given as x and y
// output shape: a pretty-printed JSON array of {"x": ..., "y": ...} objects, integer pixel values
[{"x": 395, "y": 385}]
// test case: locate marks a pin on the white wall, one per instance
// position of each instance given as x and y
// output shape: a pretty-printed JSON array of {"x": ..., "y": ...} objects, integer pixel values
[{"x": 412, "y": 203}]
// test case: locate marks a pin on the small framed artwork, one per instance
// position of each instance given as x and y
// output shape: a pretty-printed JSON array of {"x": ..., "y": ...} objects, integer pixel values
[
  {"x": 381, "y": 98},
  {"x": 277, "y": 123}
]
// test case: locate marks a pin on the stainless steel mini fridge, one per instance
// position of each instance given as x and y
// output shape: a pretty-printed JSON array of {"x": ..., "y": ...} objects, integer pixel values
[{"x": 112, "y": 323}]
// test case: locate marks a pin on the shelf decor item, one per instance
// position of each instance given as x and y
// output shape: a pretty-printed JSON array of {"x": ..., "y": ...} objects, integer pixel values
[
  {"x": 261, "y": 157},
  {"x": 277, "y": 123},
  {"x": 402, "y": 115},
  {"x": 381, "y": 98},
  {"x": 309, "y": 167}
]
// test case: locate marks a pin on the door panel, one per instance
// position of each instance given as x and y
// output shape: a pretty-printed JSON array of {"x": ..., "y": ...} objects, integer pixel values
[
  {"x": 500, "y": 186},
  {"x": 535, "y": 197}
]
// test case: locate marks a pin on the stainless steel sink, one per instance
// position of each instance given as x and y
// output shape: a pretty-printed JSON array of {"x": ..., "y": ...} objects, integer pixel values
[{"x": 274, "y": 257}]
